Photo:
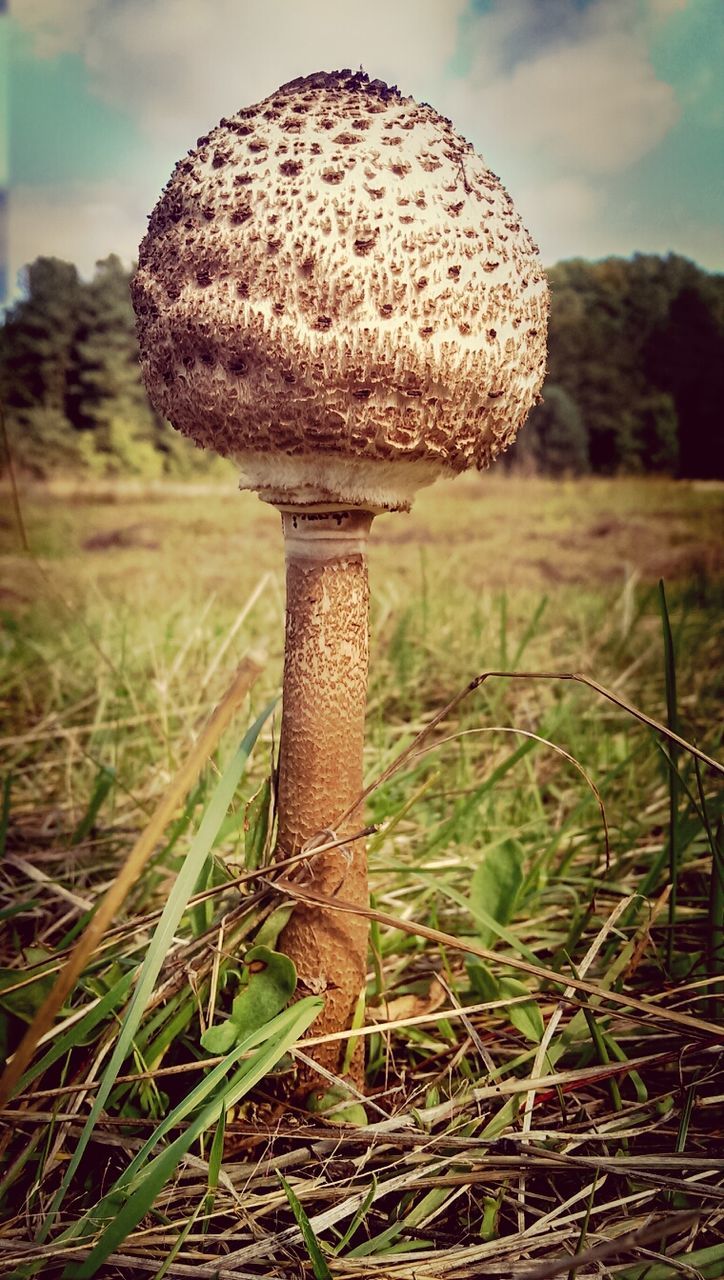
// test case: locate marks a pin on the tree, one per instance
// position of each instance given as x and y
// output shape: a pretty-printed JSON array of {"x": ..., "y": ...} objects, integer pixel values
[
  {"x": 38, "y": 335},
  {"x": 636, "y": 374},
  {"x": 71, "y": 380},
  {"x": 685, "y": 356},
  {"x": 35, "y": 357},
  {"x": 659, "y": 433},
  {"x": 553, "y": 441},
  {"x": 607, "y": 319},
  {"x": 105, "y": 393}
]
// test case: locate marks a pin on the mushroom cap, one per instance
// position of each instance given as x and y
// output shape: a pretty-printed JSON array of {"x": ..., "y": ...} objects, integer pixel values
[{"x": 336, "y": 291}]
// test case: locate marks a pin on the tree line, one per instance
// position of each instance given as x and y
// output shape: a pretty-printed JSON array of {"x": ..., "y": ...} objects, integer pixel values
[{"x": 635, "y": 375}]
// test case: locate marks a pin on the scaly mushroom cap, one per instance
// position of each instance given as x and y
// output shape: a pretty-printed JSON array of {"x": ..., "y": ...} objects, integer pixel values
[{"x": 335, "y": 291}]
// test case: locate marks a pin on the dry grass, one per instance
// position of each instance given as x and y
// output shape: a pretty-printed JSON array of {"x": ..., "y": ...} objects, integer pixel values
[{"x": 571, "y": 1124}]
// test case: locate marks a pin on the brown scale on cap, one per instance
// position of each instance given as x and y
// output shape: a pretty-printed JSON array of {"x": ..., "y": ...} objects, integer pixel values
[{"x": 311, "y": 266}]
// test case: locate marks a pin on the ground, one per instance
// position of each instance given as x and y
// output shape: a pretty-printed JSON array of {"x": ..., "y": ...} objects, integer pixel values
[{"x": 125, "y": 614}]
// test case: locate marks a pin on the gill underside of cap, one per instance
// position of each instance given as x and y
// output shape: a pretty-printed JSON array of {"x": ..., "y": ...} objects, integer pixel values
[{"x": 330, "y": 481}]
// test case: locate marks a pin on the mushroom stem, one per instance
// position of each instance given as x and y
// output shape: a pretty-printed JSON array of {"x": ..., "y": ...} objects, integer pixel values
[{"x": 320, "y": 760}]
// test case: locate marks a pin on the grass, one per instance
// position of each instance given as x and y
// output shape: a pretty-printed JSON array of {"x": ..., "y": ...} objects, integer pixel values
[{"x": 543, "y": 1064}]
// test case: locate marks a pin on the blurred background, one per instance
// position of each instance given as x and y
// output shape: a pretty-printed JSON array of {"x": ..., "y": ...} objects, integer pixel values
[{"x": 602, "y": 117}]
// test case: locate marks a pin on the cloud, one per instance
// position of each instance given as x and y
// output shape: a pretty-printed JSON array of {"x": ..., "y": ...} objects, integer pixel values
[
  {"x": 57, "y": 26},
  {"x": 662, "y": 10},
  {"x": 596, "y": 106},
  {"x": 177, "y": 66},
  {"x": 561, "y": 98},
  {"x": 80, "y": 222},
  {"x": 578, "y": 95},
  {"x": 571, "y": 85},
  {"x": 561, "y": 210}
]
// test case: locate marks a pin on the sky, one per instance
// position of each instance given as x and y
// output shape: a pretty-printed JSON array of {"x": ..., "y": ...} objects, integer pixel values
[{"x": 603, "y": 118}]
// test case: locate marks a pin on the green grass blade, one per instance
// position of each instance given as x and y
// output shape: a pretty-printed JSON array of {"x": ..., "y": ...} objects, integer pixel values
[
  {"x": 530, "y": 631},
  {"x": 503, "y": 630},
  {"x": 127, "y": 1204},
  {"x": 178, "y": 1244},
  {"x": 583, "y": 1234},
  {"x": 105, "y": 781},
  {"x": 177, "y": 830},
  {"x": 715, "y": 938},
  {"x": 447, "y": 831},
  {"x": 160, "y": 943},
  {"x": 316, "y": 1257},
  {"x": 358, "y": 1218},
  {"x": 216, "y": 1156},
  {"x": 286, "y": 1028},
  {"x": 357, "y": 1021},
  {"x": 481, "y": 917},
  {"x": 76, "y": 1034},
  {"x": 707, "y": 1264}
]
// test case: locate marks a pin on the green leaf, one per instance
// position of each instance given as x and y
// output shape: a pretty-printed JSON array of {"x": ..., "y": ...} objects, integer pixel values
[
  {"x": 221, "y": 1038},
  {"x": 336, "y": 1104},
  {"x": 269, "y": 981},
  {"x": 268, "y": 932},
  {"x": 526, "y": 1018},
  {"x": 503, "y": 1119},
  {"x": 494, "y": 888},
  {"x": 26, "y": 1000},
  {"x": 491, "y": 1214},
  {"x": 482, "y": 980}
]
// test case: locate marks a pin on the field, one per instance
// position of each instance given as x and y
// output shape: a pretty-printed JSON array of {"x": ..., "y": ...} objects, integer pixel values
[{"x": 516, "y": 1116}]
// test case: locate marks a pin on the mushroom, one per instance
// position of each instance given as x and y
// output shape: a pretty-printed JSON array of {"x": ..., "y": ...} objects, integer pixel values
[{"x": 336, "y": 292}]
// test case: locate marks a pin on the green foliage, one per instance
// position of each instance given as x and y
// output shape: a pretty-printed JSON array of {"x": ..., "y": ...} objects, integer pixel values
[
  {"x": 636, "y": 376},
  {"x": 38, "y": 337},
  {"x": 685, "y": 357},
  {"x": 659, "y": 432},
  {"x": 494, "y": 888},
  {"x": 171, "y": 915},
  {"x": 525, "y": 1016},
  {"x": 268, "y": 984},
  {"x": 118, "y": 680},
  {"x": 637, "y": 346},
  {"x": 71, "y": 381},
  {"x": 23, "y": 1001},
  {"x": 554, "y": 441},
  {"x": 335, "y": 1105},
  {"x": 133, "y": 1194}
]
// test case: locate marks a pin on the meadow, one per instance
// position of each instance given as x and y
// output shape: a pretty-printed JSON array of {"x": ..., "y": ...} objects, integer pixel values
[{"x": 547, "y": 882}]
